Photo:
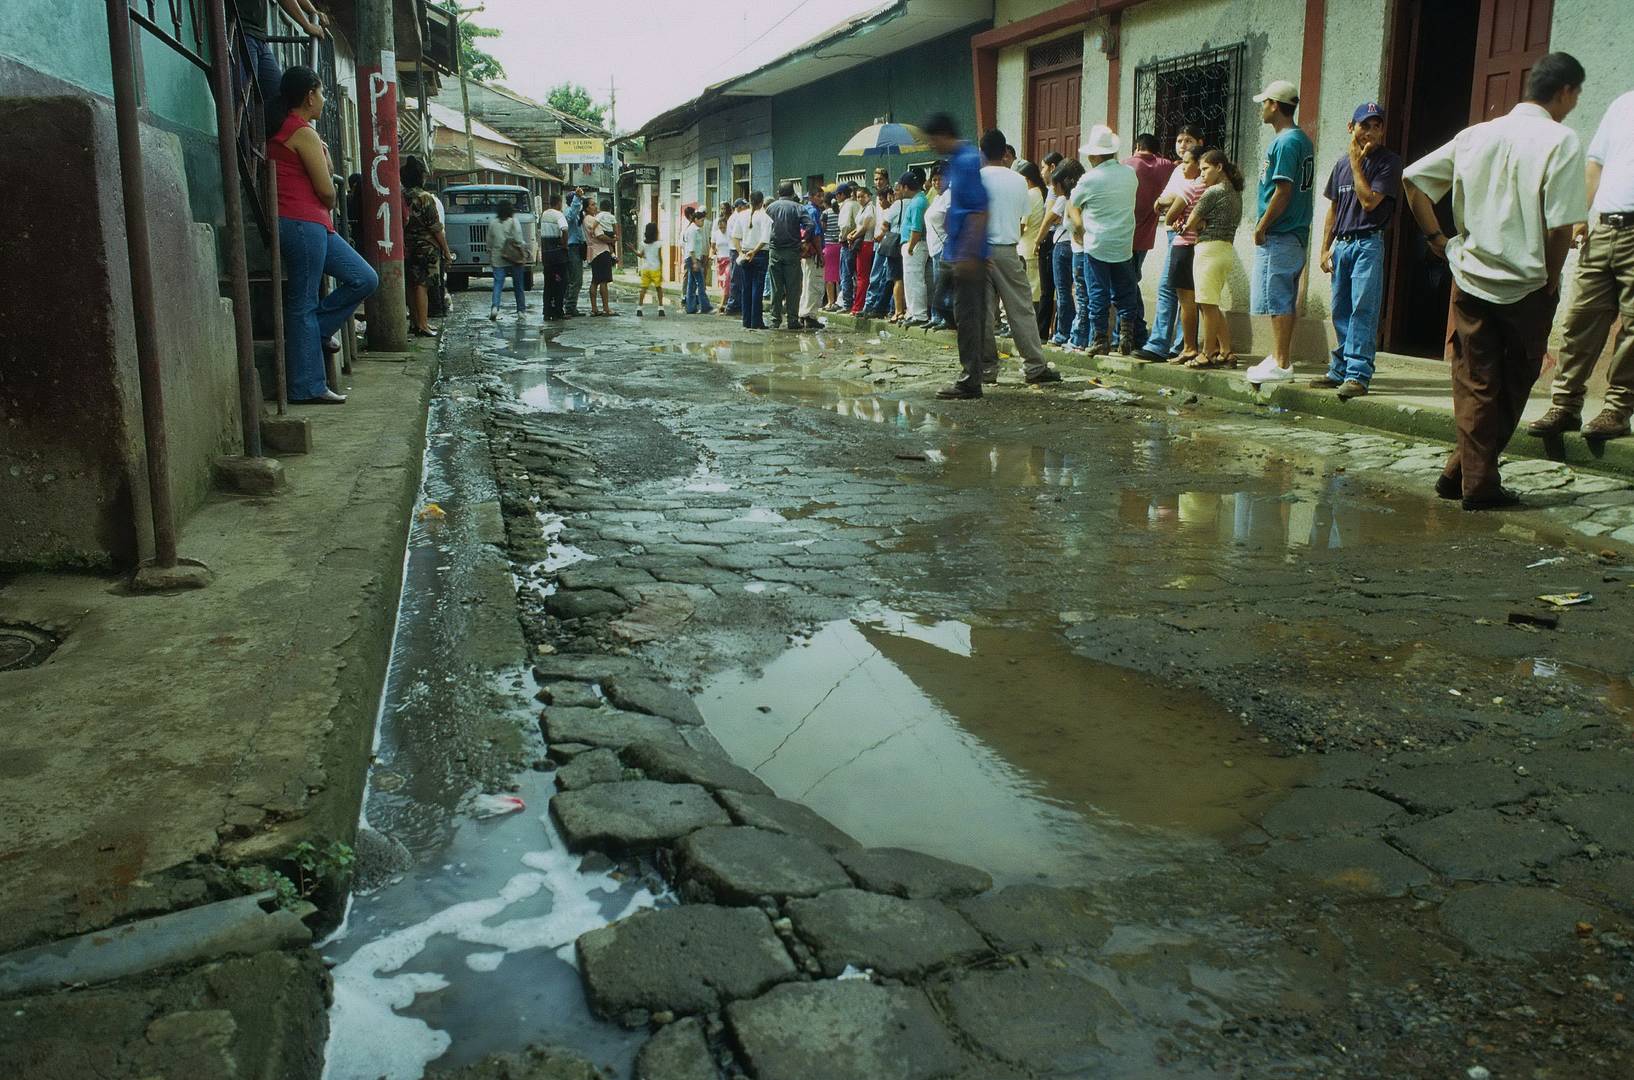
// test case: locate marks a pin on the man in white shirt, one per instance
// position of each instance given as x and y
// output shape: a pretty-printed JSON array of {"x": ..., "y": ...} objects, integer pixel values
[
  {"x": 848, "y": 225},
  {"x": 1103, "y": 212},
  {"x": 693, "y": 301},
  {"x": 1517, "y": 185},
  {"x": 1006, "y": 206},
  {"x": 941, "y": 276},
  {"x": 553, "y": 255},
  {"x": 736, "y": 226},
  {"x": 752, "y": 259},
  {"x": 1602, "y": 288}
]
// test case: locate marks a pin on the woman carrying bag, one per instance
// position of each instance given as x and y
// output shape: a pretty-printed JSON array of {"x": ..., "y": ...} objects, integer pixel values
[{"x": 508, "y": 255}]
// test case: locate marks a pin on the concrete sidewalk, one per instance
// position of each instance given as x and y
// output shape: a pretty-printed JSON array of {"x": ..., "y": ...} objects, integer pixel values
[
  {"x": 172, "y": 735},
  {"x": 1409, "y": 396}
]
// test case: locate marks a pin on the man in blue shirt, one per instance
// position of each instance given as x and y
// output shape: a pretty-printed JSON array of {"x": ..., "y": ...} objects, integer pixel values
[
  {"x": 574, "y": 212},
  {"x": 1282, "y": 234},
  {"x": 1362, "y": 199},
  {"x": 965, "y": 249}
]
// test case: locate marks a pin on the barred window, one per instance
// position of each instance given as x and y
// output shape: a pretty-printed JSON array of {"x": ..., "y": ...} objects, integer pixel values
[{"x": 1203, "y": 89}]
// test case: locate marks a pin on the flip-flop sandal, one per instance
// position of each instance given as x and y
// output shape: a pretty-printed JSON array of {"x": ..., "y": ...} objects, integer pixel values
[
  {"x": 1185, "y": 359},
  {"x": 1203, "y": 363},
  {"x": 1229, "y": 360}
]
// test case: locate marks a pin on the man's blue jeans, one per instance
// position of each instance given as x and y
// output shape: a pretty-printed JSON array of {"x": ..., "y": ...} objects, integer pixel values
[
  {"x": 311, "y": 251},
  {"x": 734, "y": 295},
  {"x": 754, "y": 290},
  {"x": 1081, "y": 285},
  {"x": 848, "y": 275},
  {"x": 1117, "y": 285},
  {"x": 1358, "y": 289},
  {"x": 1065, "y": 307},
  {"x": 695, "y": 295},
  {"x": 878, "y": 300},
  {"x": 518, "y": 283},
  {"x": 1165, "y": 339}
]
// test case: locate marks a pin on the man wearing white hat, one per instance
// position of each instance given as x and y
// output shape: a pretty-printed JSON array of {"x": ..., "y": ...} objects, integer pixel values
[
  {"x": 1102, "y": 209},
  {"x": 1287, "y": 198}
]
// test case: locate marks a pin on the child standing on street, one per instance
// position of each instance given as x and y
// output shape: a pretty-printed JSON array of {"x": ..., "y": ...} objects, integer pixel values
[
  {"x": 1214, "y": 220},
  {"x": 652, "y": 275}
]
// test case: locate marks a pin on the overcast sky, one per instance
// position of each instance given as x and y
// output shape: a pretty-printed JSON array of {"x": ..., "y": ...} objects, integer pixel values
[{"x": 661, "y": 52}]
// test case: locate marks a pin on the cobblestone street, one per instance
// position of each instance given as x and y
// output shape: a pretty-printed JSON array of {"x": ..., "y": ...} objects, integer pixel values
[{"x": 1035, "y": 736}]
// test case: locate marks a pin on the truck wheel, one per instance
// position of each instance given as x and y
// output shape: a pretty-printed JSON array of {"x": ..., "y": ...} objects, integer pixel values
[
  {"x": 459, "y": 282},
  {"x": 527, "y": 281}
]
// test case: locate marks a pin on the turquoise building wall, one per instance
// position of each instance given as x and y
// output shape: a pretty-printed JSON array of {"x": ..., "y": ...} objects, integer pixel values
[
  {"x": 811, "y": 123},
  {"x": 66, "y": 44}
]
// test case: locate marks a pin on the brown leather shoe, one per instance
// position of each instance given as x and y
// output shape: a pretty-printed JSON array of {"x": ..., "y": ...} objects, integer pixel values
[
  {"x": 1351, "y": 388},
  {"x": 1556, "y": 421},
  {"x": 1610, "y": 424}
]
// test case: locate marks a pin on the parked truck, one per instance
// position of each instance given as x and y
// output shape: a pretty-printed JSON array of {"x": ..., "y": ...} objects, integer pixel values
[{"x": 469, "y": 208}]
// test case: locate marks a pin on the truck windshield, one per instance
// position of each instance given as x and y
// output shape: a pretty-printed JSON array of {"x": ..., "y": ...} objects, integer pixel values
[{"x": 485, "y": 202}]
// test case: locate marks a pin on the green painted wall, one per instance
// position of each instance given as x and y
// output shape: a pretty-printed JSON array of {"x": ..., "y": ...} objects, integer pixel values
[
  {"x": 811, "y": 123},
  {"x": 70, "y": 42}
]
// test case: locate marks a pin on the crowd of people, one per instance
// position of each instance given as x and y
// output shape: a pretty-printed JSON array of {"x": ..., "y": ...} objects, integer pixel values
[{"x": 989, "y": 244}]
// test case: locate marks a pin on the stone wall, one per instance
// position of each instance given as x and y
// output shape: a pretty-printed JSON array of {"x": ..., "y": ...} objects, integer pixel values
[{"x": 72, "y": 463}]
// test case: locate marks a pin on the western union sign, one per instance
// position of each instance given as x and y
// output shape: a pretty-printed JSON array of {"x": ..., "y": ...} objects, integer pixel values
[{"x": 581, "y": 151}]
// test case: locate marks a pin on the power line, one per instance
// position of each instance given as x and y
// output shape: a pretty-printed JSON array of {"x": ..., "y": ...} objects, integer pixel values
[{"x": 786, "y": 17}]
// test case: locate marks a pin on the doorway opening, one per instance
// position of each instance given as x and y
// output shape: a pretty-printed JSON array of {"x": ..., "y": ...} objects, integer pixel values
[{"x": 1432, "y": 79}]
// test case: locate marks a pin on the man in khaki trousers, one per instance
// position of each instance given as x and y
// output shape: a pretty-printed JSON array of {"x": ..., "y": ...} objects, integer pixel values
[
  {"x": 1006, "y": 206},
  {"x": 1603, "y": 288}
]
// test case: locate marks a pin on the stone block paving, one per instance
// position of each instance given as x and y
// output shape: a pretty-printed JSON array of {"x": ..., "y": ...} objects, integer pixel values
[{"x": 946, "y": 976}]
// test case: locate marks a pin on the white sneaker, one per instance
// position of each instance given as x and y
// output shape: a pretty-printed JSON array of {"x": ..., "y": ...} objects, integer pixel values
[
  {"x": 493, "y": 316},
  {"x": 1267, "y": 371}
]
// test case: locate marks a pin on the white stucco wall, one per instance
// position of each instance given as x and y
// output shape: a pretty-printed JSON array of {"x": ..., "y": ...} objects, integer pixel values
[
  {"x": 1273, "y": 31},
  {"x": 677, "y": 158}
]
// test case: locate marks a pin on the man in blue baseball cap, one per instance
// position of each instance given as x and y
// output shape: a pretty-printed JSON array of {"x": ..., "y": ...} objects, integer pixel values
[{"x": 1362, "y": 193}]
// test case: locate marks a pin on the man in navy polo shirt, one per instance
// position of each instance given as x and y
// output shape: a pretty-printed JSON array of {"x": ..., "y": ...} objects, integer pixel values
[{"x": 1362, "y": 193}]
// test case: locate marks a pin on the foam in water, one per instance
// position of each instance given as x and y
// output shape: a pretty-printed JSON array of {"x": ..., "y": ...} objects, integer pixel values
[{"x": 370, "y": 1039}]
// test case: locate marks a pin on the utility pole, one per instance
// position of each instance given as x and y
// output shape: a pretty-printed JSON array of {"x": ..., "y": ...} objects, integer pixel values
[
  {"x": 465, "y": 103},
  {"x": 460, "y": 15},
  {"x": 382, "y": 202},
  {"x": 618, "y": 176}
]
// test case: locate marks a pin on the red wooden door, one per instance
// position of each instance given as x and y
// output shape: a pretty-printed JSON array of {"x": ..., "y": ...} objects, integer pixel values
[
  {"x": 1512, "y": 36},
  {"x": 1055, "y": 78}
]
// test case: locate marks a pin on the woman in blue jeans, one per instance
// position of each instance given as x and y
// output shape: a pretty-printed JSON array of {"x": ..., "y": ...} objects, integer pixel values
[{"x": 309, "y": 244}]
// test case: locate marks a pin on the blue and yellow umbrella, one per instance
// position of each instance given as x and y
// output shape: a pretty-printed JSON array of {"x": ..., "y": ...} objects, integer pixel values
[{"x": 881, "y": 138}]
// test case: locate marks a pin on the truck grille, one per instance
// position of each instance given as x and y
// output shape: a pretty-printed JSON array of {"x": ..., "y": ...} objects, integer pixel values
[{"x": 479, "y": 243}]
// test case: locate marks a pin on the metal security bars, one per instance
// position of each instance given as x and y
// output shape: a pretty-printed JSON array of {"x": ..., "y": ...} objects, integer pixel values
[
  {"x": 180, "y": 24},
  {"x": 1203, "y": 89}
]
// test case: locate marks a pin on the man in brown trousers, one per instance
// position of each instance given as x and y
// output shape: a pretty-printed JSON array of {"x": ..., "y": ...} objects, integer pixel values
[
  {"x": 1603, "y": 288},
  {"x": 1517, "y": 186}
]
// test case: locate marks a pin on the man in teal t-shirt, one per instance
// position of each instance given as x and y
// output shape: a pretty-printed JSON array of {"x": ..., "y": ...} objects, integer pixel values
[{"x": 1287, "y": 197}]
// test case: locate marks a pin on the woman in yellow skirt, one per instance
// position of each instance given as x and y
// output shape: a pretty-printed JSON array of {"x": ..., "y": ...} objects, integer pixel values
[{"x": 1215, "y": 219}]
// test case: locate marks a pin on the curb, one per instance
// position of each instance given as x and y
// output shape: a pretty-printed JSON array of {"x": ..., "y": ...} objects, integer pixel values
[{"x": 1379, "y": 413}]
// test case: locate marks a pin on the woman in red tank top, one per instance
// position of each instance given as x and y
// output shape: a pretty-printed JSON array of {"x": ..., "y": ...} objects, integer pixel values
[{"x": 309, "y": 244}]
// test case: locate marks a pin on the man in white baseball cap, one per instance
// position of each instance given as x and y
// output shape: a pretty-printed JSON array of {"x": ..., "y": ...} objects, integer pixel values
[
  {"x": 1282, "y": 233},
  {"x": 1102, "y": 210}
]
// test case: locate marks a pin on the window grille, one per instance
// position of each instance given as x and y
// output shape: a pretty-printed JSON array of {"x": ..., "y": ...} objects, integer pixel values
[
  {"x": 855, "y": 176},
  {"x": 1062, "y": 52},
  {"x": 1203, "y": 89}
]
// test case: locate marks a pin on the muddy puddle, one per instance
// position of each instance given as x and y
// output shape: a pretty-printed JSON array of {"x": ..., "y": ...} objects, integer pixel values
[{"x": 994, "y": 746}]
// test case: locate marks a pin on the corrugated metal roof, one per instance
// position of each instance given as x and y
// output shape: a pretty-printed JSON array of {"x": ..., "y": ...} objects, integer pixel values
[{"x": 454, "y": 120}]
